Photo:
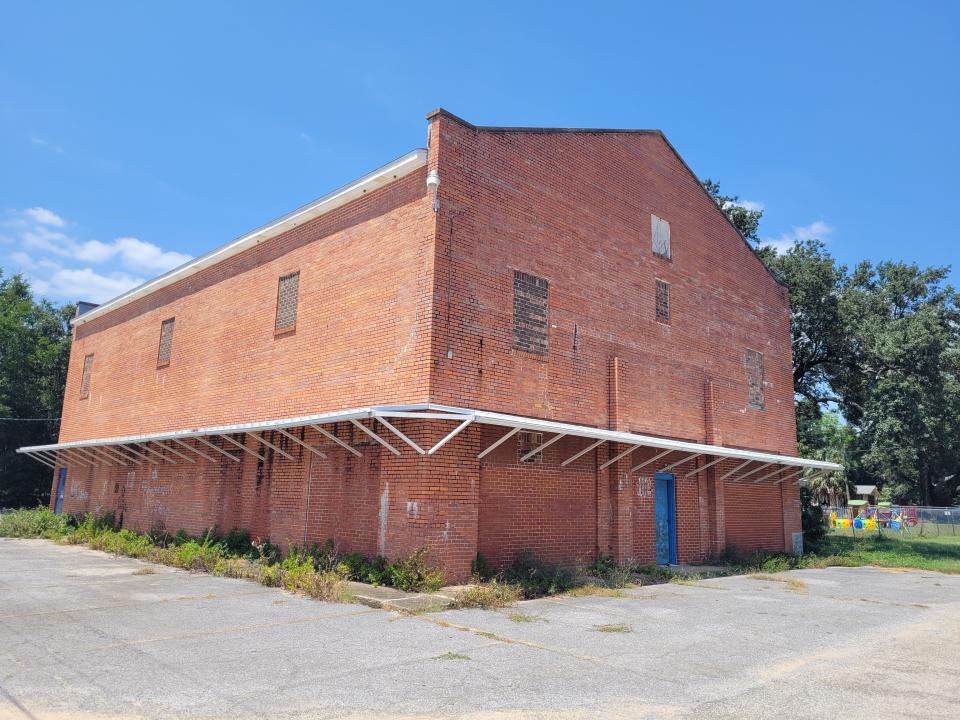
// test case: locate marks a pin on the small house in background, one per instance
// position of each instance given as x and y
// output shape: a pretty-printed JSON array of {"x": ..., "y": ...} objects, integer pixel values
[{"x": 868, "y": 493}]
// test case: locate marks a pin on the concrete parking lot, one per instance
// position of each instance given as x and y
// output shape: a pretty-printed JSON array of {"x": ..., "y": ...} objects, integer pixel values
[{"x": 83, "y": 634}]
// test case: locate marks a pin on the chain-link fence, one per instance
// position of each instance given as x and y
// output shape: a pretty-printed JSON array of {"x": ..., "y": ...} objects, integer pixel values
[{"x": 915, "y": 520}]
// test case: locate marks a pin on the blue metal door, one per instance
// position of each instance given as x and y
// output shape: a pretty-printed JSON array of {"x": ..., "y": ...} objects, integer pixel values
[
  {"x": 61, "y": 486},
  {"x": 665, "y": 499}
]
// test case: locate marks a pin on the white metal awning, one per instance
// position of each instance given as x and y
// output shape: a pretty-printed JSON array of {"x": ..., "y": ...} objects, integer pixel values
[{"x": 138, "y": 448}]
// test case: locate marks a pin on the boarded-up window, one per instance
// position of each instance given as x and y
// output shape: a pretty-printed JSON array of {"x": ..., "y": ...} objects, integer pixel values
[
  {"x": 85, "y": 377},
  {"x": 527, "y": 442},
  {"x": 166, "y": 342},
  {"x": 660, "y": 232},
  {"x": 754, "y": 363},
  {"x": 663, "y": 302},
  {"x": 287, "y": 296},
  {"x": 530, "y": 313}
]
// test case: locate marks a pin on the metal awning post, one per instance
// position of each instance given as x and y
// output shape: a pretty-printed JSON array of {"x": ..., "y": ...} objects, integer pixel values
[
  {"x": 790, "y": 476},
  {"x": 45, "y": 459},
  {"x": 681, "y": 461},
  {"x": 106, "y": 456},
  {"x": 258, "y": 436},
  {"x": 583, "y": 452},
  {"x": 389, "y": 426},
  {"x": 547, "y": 444},
  {"x": 754, "y": 471},
  {"x": 85, "y": 453},
  {"x": 120, "y": 455},
  {"x": 177, "y": 453},
  {"x": 191, "y": 448},
  {"x": 76, "y": 458},
  {"x": 334, "y": 439},
  {"x": 650, "y": 461},
  {"x": 498, "y": 443},
  {"x": 301, "y": 443},
  {"x": 376, "y": 437},
  {"x": 244, "y": 448},
  {"x": 779, "y": 469},
  {"x": 704, "y": 467},
  {"x": 451, "y": 435},
  {"x": 42, "y": 459},
  {"x": 220, "y": 450},
  {"x": 147, "y": 448},
  {"x": 622, "y": 455},
  {"x": 737, "y": 469},
  {"x": 139, "y": 454}
]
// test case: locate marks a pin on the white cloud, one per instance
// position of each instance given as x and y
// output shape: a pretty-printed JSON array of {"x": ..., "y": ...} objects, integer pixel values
[
  {"x": 42, "y": 216},
  {"x": 751, "y": 205},
  {"x": 61, "y": 267},
  {"x": 817, "y": 230},
  {"x": 85, "y": 284}
]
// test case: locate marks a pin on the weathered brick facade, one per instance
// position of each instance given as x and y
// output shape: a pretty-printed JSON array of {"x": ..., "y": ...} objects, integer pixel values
[{"x": 531, "y": 290}]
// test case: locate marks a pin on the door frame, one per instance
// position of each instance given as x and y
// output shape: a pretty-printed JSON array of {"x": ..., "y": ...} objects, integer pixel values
[{"x": 670, "y": 481}]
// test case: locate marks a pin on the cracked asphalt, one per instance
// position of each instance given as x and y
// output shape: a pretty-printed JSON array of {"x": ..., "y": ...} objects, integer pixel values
[{"x": 84, "y": 635}]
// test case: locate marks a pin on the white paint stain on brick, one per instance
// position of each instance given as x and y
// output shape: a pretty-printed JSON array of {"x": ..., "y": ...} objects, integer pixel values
[
  {"x": 383, "y": 515},
  {"x": 413, "y": 509}
]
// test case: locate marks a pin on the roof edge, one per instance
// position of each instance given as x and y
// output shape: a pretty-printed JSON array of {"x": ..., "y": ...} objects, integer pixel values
[
  {"x": 441, "y": 112},
  {"x": 385, "y": 175}
]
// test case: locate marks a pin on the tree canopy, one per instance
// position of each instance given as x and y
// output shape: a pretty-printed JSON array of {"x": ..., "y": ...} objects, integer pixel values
[
  {"x": 34, "y": 351},
  {"x": 880, "y": 345}
]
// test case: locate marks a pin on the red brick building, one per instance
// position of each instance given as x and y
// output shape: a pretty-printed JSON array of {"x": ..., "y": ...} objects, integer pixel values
[{"x": 515, "y": 339}]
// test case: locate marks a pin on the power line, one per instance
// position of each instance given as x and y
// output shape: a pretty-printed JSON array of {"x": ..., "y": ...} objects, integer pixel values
[{"x": 16, "y": 419}]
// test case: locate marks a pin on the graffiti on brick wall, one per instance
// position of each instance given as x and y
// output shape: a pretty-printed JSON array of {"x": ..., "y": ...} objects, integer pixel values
[{"x": 645, "y": 486}]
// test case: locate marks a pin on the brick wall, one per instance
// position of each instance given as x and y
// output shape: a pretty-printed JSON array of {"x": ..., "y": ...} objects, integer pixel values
[
  {"x": 362, "y": 334},
  {"x": 400, "y": 305},
  {"x": 574, "y": 209}
]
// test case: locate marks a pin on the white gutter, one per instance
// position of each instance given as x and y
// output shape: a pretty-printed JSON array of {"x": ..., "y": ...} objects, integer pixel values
[
  {"x": 444, "y": 412},
  {"x": 378, "y": 178}
]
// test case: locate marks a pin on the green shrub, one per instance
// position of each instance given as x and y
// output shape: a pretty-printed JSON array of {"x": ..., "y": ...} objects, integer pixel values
[
  {"x": 610, "y": 573},
  {"x": 199, "y": 555},
  {"x": 480, "y": 568},
  {"x": 538, "y": 578},
  {"x": 356, "y": 567},
  {"x": 34, "y": 523},
  {"x": 269, "y": 575},
  {"x": 412, "y": 574},
  {"x": 237, "y": 542}
]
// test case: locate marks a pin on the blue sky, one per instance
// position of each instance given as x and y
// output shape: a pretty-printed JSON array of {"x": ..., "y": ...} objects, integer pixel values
[{"x": 136, "y": 135}]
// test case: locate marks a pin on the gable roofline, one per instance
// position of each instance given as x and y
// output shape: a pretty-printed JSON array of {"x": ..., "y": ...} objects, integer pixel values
[
  {"x": 380, "y": 177},
  {"x": 441, "y": 112}
]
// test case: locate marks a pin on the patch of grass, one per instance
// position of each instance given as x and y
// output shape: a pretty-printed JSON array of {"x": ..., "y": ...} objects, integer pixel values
[
  {"x": 613, "y": 628},
  {"x": 452, "y": 656},
  {"x": 685, "y": 578},
  {"x": 492, "y": 594},
  {"x": 145, "y": 571},
  {"x": 793, "y": 584},
  {"x": 597, "y": 590},
  {"x": 523, "y": 618}
]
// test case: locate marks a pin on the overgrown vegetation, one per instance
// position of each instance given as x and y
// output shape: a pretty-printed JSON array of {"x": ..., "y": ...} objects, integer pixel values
[
  {"x": 317, "y": 571},
  {"x": 491, "y": 594}
]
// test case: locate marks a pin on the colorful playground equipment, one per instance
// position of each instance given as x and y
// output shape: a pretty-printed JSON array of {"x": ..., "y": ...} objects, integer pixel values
[{"x": 861, "y": 516}]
